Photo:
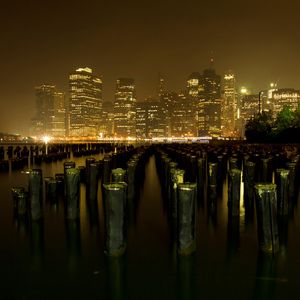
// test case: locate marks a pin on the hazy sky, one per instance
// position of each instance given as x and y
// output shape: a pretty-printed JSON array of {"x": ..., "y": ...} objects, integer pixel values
[{"x": 42, "y": 41}]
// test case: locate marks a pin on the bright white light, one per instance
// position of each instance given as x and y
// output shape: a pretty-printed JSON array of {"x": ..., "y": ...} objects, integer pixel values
[
  {"x": 46, "y": 139},
  {"x": 244, "y": 90}
]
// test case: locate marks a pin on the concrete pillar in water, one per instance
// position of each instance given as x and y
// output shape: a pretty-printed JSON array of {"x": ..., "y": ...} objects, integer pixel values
[
  {"x": 106, "y": 169},
  {"x": 212, "y": 181},
  {"x": 88, "y": 161},
  {"x": 114, "y": 211},
  {"x": 92, "y": 180},
  {"x": 266, "y": 202},
  {"x": 233, "y": 163},
  {"x": 60, "y": 180},
  {"x": 20, "y": 198},
  {"x": 72, "y": 193},
  {"x": 282, "y": 183},
  {"x": 67, "y": 165},
  {"x": 177, "y": 176},
  {"x": 222, "y": 168},
  {"x": 266, "y": 173},
  {"x": 52, "y": 190},
  {"x": 249, "y": 182},
  {"x": 186, "y": 218},
  {"x": 16, "y": 191},
  {"x": 131, "y": 171},
  {"x": 193, "y": 168},
  {"x": 83, "y": 173},
  {"x": 118, "y": 175},
  {"x": 165, "y": 160},
  {"x": 292, "y": 176},
  {"x": 35, "y": 188},
  {"x": 212, "y": 173},
  {"x": 234, "y": 189},
  {"x": 46, "y": 181},
  {"x": 201, "y": 176},
  {"x": 171, "y": 167}
]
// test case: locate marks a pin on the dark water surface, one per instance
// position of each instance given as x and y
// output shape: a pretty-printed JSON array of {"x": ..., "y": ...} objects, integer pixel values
[{"x": 56, "y": 259}]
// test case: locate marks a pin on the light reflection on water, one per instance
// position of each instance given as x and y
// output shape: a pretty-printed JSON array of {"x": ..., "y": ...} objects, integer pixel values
[{"x": 63, "y": 260}]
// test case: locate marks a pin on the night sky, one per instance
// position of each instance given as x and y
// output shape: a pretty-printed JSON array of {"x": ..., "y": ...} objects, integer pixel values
[{"x": 42, "y": 41}]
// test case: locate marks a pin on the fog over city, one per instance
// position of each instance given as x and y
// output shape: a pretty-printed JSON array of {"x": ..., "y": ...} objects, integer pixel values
[{"x": 44, "y": 42}]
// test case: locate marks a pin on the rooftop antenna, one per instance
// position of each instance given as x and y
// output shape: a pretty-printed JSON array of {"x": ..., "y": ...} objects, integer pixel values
[
  {"x": 211, "y": 65},
  {"x": 161, "y": 84}
]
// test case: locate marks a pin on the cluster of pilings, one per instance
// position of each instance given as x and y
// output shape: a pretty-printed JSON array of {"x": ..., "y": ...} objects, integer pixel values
[
  {"x": 193, "y": 173},
  {"x": 19, "y": 157},
  {"x": 118, "y": 175}
]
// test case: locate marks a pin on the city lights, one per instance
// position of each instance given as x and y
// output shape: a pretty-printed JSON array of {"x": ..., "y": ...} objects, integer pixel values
[
  {"x": 244, "y": 91},
  {"x": 46, "y": 139}
]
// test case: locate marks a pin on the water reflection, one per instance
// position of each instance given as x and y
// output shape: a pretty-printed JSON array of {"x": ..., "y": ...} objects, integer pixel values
[
  {"x": 73, "y": 242},
  {"x": 37, "y": 244},
  {"x": 212, "y": 214},
  {"x": 116, "y": 277},
  {"x": 186, "y": 277},
  {"x": 233, "y": 235},
  {"x": 283, "y": 223},
  {"x": 21, "y": 223},
  {"x": 152, "y": 252},
  {"x": 265, "y": 277},
  {"x": 93, "y": 215}
]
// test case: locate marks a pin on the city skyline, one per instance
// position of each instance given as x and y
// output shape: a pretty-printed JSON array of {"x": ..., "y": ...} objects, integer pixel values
[
  {"x": 210, "y": 106},
  {"x": 137, "y": 39}
]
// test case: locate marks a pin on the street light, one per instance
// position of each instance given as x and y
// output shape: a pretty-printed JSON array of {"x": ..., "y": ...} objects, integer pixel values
[{"x": 46, "y": 139}]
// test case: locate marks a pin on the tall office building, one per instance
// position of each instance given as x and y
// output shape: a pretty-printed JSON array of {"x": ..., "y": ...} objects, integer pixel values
[
  {"x": 156, "y": 126},
  {"x": 229, "y": 105},
  {"x": 150, "y": 119},
  {"x": 195, "y": 86},
  {"x": 209, "y": 105},
  {"x": 161, "y": 85},
  {"x": 141, "y": 120},
  {"x": 168, "y": 99},
  {"x": 50, "y": 112},
  {"x": 107, "y": 121},
  {"x": 85, "y": 103},
  {"x": 125, "y": 108},
  {"x": 211, "y": 84},
  {"x": 183, "y": 122},
  {"x": 249, "y": 107}
]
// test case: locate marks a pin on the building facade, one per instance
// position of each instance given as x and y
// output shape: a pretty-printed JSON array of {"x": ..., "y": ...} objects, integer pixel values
[
  {"x": 125, "y": 108},
  {"x": 107, "y": 121},
  {"x": 229, "y": 105},
  {"x": 285, "y": 97},
  {"x": 209, "y": 105},
  {"x": 85, "y": 103},
  {"x": 50, "y": 117},
  {"x": 150, "y": 120}
]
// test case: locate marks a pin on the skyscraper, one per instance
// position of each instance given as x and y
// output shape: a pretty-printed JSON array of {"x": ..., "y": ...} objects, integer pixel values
[
  {"x": 195, "y": 85},
  {"x": 229, "y": 105},
  {"x": 156, "y": 126},
  {"x": 85, "y": 104},
  {"x": 209, "y": 105},
  {"x": 168, "y": 100},
  {"x": 50, "y": 112},
  {"x": 161, "y": 85},
  {"x": 211, "y": 85},
  {"x": 107, "y": 121},
  {"x": 142, "y": 120},
  {"x": 125, "y": 108}
]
